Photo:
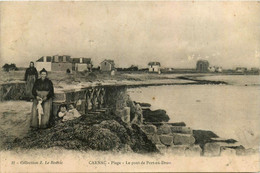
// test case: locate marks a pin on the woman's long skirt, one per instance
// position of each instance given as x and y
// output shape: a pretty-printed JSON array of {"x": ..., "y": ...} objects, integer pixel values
[
  {"x": 45, "y": 118},
  {"x": 29, "y": 86}
]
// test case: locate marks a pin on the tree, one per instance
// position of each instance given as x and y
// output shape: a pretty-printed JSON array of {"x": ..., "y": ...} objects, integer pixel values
[{"x": 8, "y": 67}]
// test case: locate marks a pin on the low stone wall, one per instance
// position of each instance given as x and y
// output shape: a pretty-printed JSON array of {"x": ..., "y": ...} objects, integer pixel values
[
  {"x": 12, "y": 91},
  {"x": 180, "y": 141},
  {"x": 177, "y": 140}
]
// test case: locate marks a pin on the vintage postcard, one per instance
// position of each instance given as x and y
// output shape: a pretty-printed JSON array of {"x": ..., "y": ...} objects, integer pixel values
[{"x": 129, "y": 86}]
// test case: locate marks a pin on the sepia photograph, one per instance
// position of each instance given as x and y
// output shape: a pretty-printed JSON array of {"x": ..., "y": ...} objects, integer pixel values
[{"x": 129, "y": 86}]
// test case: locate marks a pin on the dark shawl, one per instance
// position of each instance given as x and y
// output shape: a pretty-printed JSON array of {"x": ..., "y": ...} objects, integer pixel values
[
  {"x": 43, "y": 85},
  {"x": 30, "y": 71}
]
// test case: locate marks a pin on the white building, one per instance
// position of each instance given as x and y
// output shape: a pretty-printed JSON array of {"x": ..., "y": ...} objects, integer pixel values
[
  {"x": 82, "y": 64},
  {"x": 54, "y": 63},
  {"x": 154, "y": 66},
  {"x": 44, "y": 62}
]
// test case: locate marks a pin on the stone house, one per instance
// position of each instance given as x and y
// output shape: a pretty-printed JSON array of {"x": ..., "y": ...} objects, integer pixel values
[
  {"x": 202, "y": 66},
  {"x": 107, "y": 65},
  {"x": 82, "y": 64},
  {"x": 54, "y": 63},
  {"x": 154, "y": 66}
]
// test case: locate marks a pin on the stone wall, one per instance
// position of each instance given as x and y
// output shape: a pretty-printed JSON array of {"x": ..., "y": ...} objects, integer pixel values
[
  {"x": 180, "y": 141},
  {"x": 177, "y": 140}
]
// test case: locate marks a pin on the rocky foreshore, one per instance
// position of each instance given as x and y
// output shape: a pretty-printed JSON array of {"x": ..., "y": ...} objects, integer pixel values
[{"x": 107, "y": 132}]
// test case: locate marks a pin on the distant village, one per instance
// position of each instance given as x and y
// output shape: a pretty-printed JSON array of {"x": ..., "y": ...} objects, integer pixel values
[{"x": 68, "y": 64}]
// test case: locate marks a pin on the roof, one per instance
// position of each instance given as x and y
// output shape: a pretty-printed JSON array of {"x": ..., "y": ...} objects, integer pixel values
[
  {"x": 48, "y": 58},
  {"x": 109, "y": 61},
  {"x": 154, "y": 63},
  {"x": 84, "y": 60},
  {"x": 51, "y": 59},
  {"x": 203, "y": 61}
]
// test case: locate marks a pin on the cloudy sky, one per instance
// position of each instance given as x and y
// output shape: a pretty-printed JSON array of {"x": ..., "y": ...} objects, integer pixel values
[{"x": 177, "y": 34}]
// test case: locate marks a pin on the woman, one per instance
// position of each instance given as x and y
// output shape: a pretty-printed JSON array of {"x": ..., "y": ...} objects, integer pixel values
[
  {"x": 43, "y": 92},
  {"x": 30, "y": 77}
]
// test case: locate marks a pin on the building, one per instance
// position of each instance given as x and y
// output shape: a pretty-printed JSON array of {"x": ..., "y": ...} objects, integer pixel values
[
  {"x": 241, "y": 69},
  {"x": 202, "y": 66},
  {"x": 219, "y": 69},
  {"x": 215, "y": 69},
  {"x": 107, "y": 65},
  {"x": 154, "y": 66},
  {"x": 212, "y": 69},
  {"x": 82, "y": 64},
  {"x": 255, "y": 70},
  {"x": 54, "y": 63},
  {"x": 44, "y": 62}
]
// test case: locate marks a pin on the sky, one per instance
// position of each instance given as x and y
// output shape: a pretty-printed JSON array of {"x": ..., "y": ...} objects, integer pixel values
[{"x": 176, "y": 34}]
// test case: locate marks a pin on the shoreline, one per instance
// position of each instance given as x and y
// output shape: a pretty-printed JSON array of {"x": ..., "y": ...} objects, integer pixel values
[{"x": 138, "y": 83}]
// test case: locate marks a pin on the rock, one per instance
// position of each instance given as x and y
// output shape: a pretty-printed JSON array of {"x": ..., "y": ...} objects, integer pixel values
[
  {"x": 230, "y": 145},
  {"x": 149, "y": 129},
  {"x": 161, "y": 148},
  {"x": 154, "y": 138},
  {"x": 155, "y": 116},
  {"x": 194, "y": 150},
  {"x": 202, "y": 137},
  {"x": 180, "y": 129},
  {"x": 178, "y": 124},
  {"x": 183, "y": 139},
  {"x": 224, "y": 151},
  {"x": 228, "y": 141},
  {"x": 126, "y": 115},
  {"x": 178, "y": 150},
  {"x": 139, "y": 141},
  {"x": 211, "y": 149},
  {"x": 166, "y": 139},
  {"x": 138, "y": 115},
  {"x": 164, "y": 129},
  {"x": 143, "y": 104},
  {"x": 245, "y": 152}
]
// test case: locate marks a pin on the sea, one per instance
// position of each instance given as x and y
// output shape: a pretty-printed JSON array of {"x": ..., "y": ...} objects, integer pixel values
[{"x": 230, "y": 111}]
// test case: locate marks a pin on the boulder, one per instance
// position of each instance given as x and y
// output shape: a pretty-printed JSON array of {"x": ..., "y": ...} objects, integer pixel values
[
  {"x": 166, "y": 139},
  {"x": 154, "y": 138},
  {"x": 138, "y": 115},
  {"x": 149, "y": 129},
  {"x": 155, "y": 116},
  {"x": 224, "y": 151},
  {"x": 126, "y": 115},
  {"x": 178, "y": 150},
  {"x": 211, "y": 149},
  {"x": 178, "y": 124},
  {"x": 164, "y": 129},
  {"x": 241, "y": 151},
  {"x": 161, "y": 148},
  {"x": 194, "y": 150},
  {"x": 180, "y": 129},
  {"x": 183, "y": 139},
  {"x": 143, "y": 104}
]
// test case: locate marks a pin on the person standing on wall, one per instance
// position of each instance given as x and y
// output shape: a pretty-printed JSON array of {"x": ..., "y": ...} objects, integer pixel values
[
  {"x": 31, "y": 75},
  {"x": 43, "y": 92}
]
